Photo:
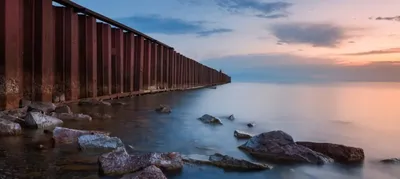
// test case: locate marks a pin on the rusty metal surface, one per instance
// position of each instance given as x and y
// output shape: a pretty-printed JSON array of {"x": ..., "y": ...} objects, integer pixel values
[{"x": 129, "y": 61}]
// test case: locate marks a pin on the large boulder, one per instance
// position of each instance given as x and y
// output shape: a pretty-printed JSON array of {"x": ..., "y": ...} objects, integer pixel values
[
  {"x": 63, "y": 135},
  {"x": 163, "y": 109},
  {"x": 9, "y": 128},
  {"x": 119, "y": 162},
  {"x": 46, "y": 107},
  {"x": 210, "y": 119},
  {"x": 242, "y": 135},
  {"x": 63, "y": 109},
  {"x": 339, "y": 153},
  {"x": 225, "y": 162},
  {"x": 39, "y": 120},
  {"x": 70, "y": 116},
  {"x": 279, "y": 146},
  {"x": 151, "y": 172},
  {"x": 98, "y": 142},
  {"x": 391, "y": 161}
]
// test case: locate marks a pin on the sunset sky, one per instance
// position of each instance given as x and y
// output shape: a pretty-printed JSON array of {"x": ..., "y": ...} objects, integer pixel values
[{"x": 348, "y": 39}]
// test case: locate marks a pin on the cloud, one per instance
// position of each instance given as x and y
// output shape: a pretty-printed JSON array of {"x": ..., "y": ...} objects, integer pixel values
[
  {"x": 375, "y": 52},
  {"x": 317, "y": 35},
  {"x": 262, "y": 9},
  {"x": 213, "y": 31},
  {"x": 169, "y": 26},
  {"x": 394, "y": 18},
  {"x": 286, "y": 68},
  {"x": 274, "y": 16}
]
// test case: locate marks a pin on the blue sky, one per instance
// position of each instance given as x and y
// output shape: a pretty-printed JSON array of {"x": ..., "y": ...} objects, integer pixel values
[{"x": 274, "y": 40}]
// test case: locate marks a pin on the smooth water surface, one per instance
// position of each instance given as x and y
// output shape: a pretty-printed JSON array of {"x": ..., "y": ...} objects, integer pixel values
[{"x": 364, "y": 115}]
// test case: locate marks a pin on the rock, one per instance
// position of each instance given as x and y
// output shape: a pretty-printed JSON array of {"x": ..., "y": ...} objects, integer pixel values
[
  {"x": 242, "y": 135},
  {"x": 46, "y": 107},
  {"x": 119, "y": 162},
  {"x": 41, "y": 121},
  {"x": 210, "y": 119},
  {"x": 24, "y": 103},
  {"x": 62, "y": 97},
  {"x": 17, "y": 113},
  {"x": 70, "y": 116},
  {"x": 279, "y": 146},
  {"x": 339, "y": 153},
  {"x": 56, "y": 99},
  {"x": 99, "y": 142},
  {"x": 63, "y": 109},
  {"x": 151, "y": 172},
  {"x": 391, "y": 161},
  {"x": 101, "y": 116},
  {"x": 231, "y": 117},
  {"x": 118, "y": 103},
  {"x": 163, "y": 109},
  {"x": 251, "y": 125},
  {"x": 225, "y": 162},
  {"x": 9, "y": 128},
  {"x": 93, "y": 102},
  {"x": 63, "y": 135}
]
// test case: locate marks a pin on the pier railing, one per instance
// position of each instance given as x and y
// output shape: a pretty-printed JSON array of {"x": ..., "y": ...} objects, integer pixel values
[{"x": 48, "y": 50}]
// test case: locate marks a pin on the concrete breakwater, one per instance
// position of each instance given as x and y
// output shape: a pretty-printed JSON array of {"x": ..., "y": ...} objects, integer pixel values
[{"x": 66, "y": 52}]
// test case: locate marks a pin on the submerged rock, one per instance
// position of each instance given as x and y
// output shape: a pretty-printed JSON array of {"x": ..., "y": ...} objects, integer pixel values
[
  {"x": 118, "y": 103},
  {"x": 63, "y": 109},
  {"x": 93, "y": 102},
  {"x": 119, "y": 162},
  {"x": 231, "y": 117},
  {"x": 391, "y": 161},
  {"x": 163, "y": 109},
  {"x": 210, "y": 119},
  {"x": 63, "y": 135},
  {"x": 151, "y": 172},
  {"x": 100, "y": 116},
  {"x": 9, "y": 128},
  {"x": 279, "y": 146},
  {"x": 41, "y": 121},
  {"x": 99, "y": 142},
  {"x": 70, "y": 116},
  {"x": 225, "y": 162},
  {"x": 251, "y": 125},
  {"x": 45, "y": 107},
  {"x": 339, "y": 153},
  {"x": 242, "y": 135}
]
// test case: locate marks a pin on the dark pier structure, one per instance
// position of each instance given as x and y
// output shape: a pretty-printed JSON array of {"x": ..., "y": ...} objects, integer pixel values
[{"x": 46, "y": 50}]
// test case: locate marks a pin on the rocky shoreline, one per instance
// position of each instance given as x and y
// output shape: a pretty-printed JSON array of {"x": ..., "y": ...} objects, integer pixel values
[{"x": 113, "y": 159}]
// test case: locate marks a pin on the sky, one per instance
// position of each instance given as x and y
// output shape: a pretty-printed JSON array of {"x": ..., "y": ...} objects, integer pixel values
[{"x": 274, "y": 40}]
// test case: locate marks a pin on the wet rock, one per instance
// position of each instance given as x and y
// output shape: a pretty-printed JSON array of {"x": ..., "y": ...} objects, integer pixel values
[
  {"x": 118, "y": 103},
  {"x": 231, "y": 117},
  {"x": 279, "y": 146},
  {"x": 16, "y": 113},
  {"x": 225, "y": 162},
  {"x": 70, "y": 116},
  {"x": 339, "y": 153},
  {"x": 251, "y": 125},
  {"x": 151, "y": 172},
  {"x": 100, "y": 116},
  {"x": 119, "y": 162},
  {"x": 163, "y": 109},
  {"x": 210, "y": 119},
  {"x": 391, "y": 161},
  {"x": 63, "y": 135},
  {"x": 41, "y": 121},
  {"x": 63, "y": 109},
  {"x": 9, "y": 128},
  {"x": 46, "y": 107},
  {"x": 93, "y": 102},
  {"x": 242, "y": 135},
  {"x": 99, "y": 142}
]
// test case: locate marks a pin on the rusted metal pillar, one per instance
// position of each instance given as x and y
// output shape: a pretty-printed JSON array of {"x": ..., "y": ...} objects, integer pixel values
[
  {"x": 180, "y": 72},
  {"x": 59, "y": 49},
  {"x": 160, "y": 66},
  {"x": 165, "y": 67},
  {"x": 104, "y": 59},
  {"x": 71, "y": 55},
  {"x": 139, "y": 54},
  {"x": 147, "y": 64},
  {"x": 43, "y": 55},
  {"x": 154, "y": 65},
  {"x": 11, "y": 50},
  {"x": 28, "y": 47},
  {"x": 174, "y": 68},
  {"x": 117, "y": 60},
  {"x": 129, "y": 61}
]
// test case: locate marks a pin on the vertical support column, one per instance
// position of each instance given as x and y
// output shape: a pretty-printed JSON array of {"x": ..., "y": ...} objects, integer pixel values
[
  {"x": 104, "y": 56},
  {"x": 154, "y": 64},
  {"x": 91, "y": 56},
  {"x": 28, "y": 47},
  {"x": 59, "y": 49},
  {"x": 178, "y": 71},
  {"x": 11, "y": 48},
  {"x": 160, "y": 66},
  {"x": 139, "y": 56},
  {"x": 71, "y": 55},
  {"x": 167, "y": 67},
  {"x": 117, "y": 60},
  {"x": 174, "y": 68},
  {"x": 147, "y": 64},
  {"x": 44, "y": 43},
  {"x": 129, "y": 62},
  {"x": 82, "y": 57}
]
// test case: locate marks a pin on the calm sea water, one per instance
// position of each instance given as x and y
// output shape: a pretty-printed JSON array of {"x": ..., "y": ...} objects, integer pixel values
[{"x": 364, "y": 115}]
